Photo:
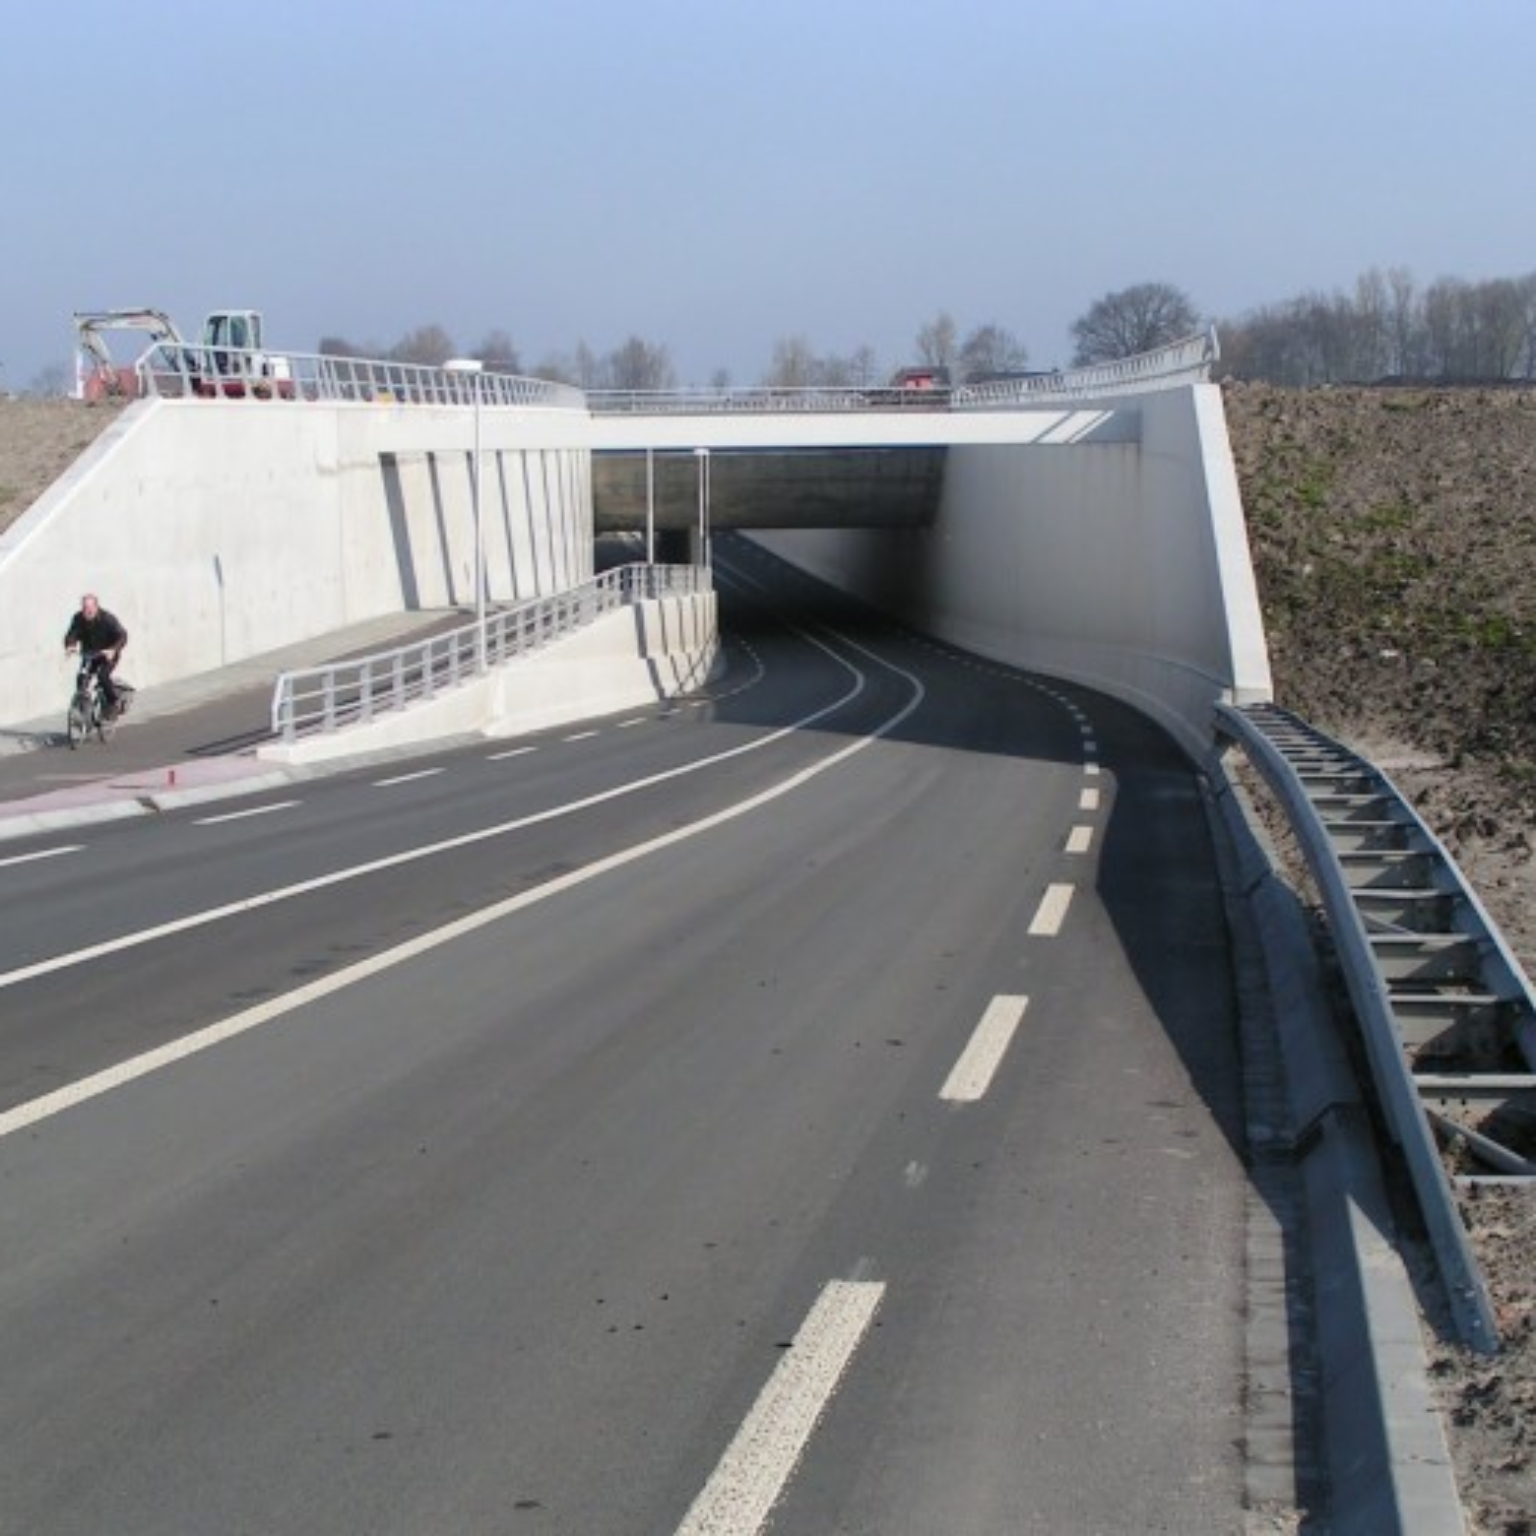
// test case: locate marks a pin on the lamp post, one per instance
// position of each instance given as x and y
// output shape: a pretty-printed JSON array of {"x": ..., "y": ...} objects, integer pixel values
[
  {"x": 473, "y": 367},
  {"x": 702, "y": 455}
]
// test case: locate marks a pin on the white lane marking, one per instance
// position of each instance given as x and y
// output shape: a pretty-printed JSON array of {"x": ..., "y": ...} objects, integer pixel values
[
  {"x": 1091, "y": 769},
  {"x": 484, "y": 834},
  {"x": 1079, "y": 839},
  {"x": 580, "y": 736},
  {"x": 973, "y": 1073},
  {"x": 275, "y": 1008},
  {"x": 1088, "y": 800},
  {"x": 1052, "y": 912},
  {"x": 916, "y": 1175},
  {"x": 499, "y": 757},
  {"x": 46, "y": 853},
  {"x": 758, "y": 1463},
  {"x": 407, "y": 778},
  {"x": 258, "y": 810},
  {"x": 628, "y": 725},
  {"x": 1090, "y": 746}
]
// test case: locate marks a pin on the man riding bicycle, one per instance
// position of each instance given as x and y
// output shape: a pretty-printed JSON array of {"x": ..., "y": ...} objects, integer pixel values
[{"x": 101, "y": 638}]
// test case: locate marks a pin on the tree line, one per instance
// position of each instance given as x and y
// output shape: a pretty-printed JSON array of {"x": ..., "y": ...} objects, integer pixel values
[{"x": 1384, "y": 328}]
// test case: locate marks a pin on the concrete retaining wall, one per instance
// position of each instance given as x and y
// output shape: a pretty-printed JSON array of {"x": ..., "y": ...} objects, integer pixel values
[
  {"x": 1121, "y": 565},
  {"x": 645, "y": 652},
  {"x": 218, "y": 530}
]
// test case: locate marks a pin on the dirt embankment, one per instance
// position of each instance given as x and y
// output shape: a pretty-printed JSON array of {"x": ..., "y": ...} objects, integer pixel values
[
  {"x": 1394, "y": 540},
  {"x": 39, "y": 440}
]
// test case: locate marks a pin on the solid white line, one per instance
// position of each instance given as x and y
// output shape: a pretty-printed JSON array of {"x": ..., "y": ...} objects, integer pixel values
[
  {"x": 275, "y": 1008},
  {"x": 1052, "y": 912},
  {"x": 260, "y": 810},
  {"x": 46, "y": 853},
  {"x": 484, "y": 834},
  {"x": 1088, "y": 800},
  {"x": 1079, "y": 839},
  {"x": 973, "y": 1073},
  {"x": 758, "y": 1463},
  {"x": 497, "y": 757},
  {"x": 406, "y": 778}
]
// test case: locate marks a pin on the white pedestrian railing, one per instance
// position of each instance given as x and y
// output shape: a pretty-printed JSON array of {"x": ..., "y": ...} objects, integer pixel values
[
  {"x": 1181, "y": 362},
  {"x": 323, "y": 699},
  {"x": 178, "y": 369}
]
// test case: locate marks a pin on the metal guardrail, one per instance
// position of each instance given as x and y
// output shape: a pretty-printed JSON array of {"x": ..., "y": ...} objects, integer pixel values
[
  {"x": 178, "y": 370},
  {"x": 1447, "y": 1015},
  {"x": 320, "y": 700}
]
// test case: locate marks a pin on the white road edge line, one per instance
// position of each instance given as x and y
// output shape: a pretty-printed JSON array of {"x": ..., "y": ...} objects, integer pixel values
[
  {"x": 757, "y": 1465},
  {"x": 1052, "y": 912},
  {"x": 407, "y": 778},
  {"x": 60, "y": 1099},
  {"x": 45, "y": 853},
  {"x": 259, "y": 810},
  {"x": 978, "y": 1063}
]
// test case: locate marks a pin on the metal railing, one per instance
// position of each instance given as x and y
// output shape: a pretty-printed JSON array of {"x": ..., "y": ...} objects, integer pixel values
[
  {"x": 1188, "y": 361},
  {"x": 1447, "y": 1015},
  {"x": 320, "y": 700},
  {"x": 178, "y": 370}
]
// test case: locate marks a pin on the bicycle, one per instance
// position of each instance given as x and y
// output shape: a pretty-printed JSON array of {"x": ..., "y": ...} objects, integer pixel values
[{"x": 88, "y": 709}]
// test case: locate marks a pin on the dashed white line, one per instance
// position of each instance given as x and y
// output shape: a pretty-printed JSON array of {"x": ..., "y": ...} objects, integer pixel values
[
  {"x": 1091, "y": 769},
  {"x": 255, "y": 810},
  {"x": 580, "y": 736},
  {"x": 978, "y": 1063},
  {"x": 1088, "y": 800},
  {"x": 1052, "y": 912},
  {"x": 500, "y": 757},
  {"x": 628, "y": 725},
  {"x": 758, "y": 1463},
  {"x": 45, "y": 853},
  {"x": 407, "y": 778},
  {"x": 1079, "y": 839}
]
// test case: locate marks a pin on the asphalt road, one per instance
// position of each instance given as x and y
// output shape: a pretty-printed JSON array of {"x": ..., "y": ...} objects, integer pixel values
[{"x": 818, "y": 1097}]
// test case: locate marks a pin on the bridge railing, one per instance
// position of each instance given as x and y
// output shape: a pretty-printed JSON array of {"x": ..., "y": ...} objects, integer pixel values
[
  {"x": 703, "y": 402},
  {"x": 319, "y": 700},
  {"x": 1188, "y": 361},
  {"x": 177, "y": 369}
]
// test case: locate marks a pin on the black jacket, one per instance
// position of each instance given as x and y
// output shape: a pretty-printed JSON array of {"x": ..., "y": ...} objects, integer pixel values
[{"x": 103, "y": 633}]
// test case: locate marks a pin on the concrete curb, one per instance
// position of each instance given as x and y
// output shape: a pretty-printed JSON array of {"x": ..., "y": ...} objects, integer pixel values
[{"x": 1388, "y": 1466}]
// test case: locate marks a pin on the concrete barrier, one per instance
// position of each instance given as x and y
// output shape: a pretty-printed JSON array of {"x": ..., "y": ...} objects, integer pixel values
[
  {"x": 217, "y": 530},
  {"x": 648, "y": 651}
]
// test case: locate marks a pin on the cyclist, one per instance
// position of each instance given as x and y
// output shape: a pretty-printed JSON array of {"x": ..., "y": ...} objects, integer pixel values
[{"x": 101, "y": 638}]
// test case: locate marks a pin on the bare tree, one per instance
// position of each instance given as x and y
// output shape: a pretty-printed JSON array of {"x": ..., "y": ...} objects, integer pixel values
[
  {"x": 794, "y": 364},
  {"x": 639, "y": 365},
  {"x": 498, "y": 352},
  {"x": 1136, "y": 319},
  {"x": 937, "y": 342},
  {"x": 990, "y": 350},
  {"x": 429, "y": 345}
]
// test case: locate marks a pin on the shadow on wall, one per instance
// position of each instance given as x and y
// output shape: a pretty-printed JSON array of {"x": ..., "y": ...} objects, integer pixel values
[{"x": 400, "y": 531}]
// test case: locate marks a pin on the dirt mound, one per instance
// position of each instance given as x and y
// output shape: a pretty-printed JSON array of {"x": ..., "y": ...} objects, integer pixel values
[
  {"x": 1394, "y": 541},
  {"x": 39, "y": 440}
]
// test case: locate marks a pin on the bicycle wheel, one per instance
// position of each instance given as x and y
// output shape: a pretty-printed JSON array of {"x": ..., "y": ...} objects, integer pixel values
[
  {"x": 78, "y": 721},
  {"x": 105, "y": 718}
]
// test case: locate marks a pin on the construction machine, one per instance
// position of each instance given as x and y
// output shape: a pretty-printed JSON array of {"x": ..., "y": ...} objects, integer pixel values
[{"x": 226, "y": 359}]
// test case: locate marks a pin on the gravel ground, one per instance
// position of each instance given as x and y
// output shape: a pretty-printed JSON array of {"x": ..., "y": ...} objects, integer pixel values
[{"x": 1394, "y": 538}]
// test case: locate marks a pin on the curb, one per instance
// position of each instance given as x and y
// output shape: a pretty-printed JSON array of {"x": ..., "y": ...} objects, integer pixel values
[{"x": 1384, "y": 1451}]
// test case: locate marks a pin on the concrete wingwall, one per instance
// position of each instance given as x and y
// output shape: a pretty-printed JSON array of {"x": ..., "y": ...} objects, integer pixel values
[
  {"x": 217, "y": 530},
  {"x": 1121, "y": 565}
]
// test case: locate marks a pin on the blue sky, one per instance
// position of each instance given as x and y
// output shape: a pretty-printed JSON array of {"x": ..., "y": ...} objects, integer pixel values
[{"x": 714, "y": 175}]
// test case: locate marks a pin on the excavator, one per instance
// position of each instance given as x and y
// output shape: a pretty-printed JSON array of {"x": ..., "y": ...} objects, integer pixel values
[{"x": 226, "y": 360}]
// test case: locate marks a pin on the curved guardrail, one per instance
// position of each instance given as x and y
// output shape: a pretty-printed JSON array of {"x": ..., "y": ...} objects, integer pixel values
[
  {"x": 1446, "y": 1013},
  {"x": 1188, "y": 361},
  {"x": 179, "y": 370},
  {"x": 320, "y": 700}
]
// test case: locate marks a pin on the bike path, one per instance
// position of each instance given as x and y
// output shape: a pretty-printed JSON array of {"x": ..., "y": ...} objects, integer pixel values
[{"x": 182, "y": 741}]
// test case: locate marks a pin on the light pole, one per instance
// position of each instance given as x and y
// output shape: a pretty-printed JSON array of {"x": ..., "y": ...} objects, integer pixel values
[
  {"x": 474, "y": 368},
  {"x": 702, "y": 455}
]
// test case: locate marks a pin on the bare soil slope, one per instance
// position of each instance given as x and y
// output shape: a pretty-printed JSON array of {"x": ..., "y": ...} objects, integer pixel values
[
  {"x": 1394, "y": 539},
  {"x": 39, "y": 440}
]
